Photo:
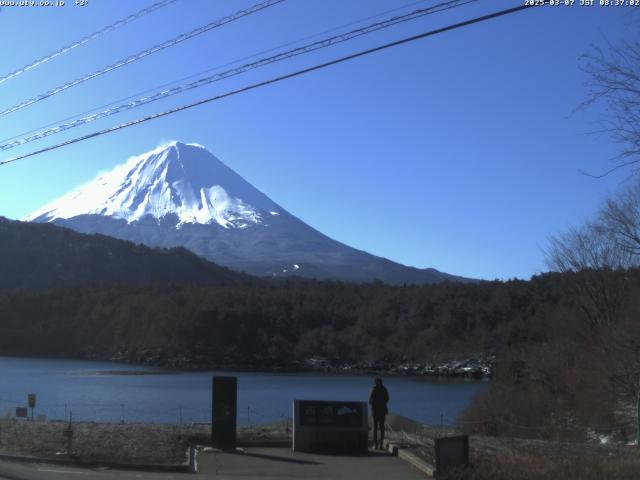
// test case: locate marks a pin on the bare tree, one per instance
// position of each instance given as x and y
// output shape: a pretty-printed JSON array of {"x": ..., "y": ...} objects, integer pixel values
[
  {"x": 620, "y": 218},
  {"x": 613, "y": 78},
  {"x": 601, "y": 250},
  {"x": 623, "y": 343},
  {"x": 594, "y": 252},
  {"x": 590, "y": 247}
]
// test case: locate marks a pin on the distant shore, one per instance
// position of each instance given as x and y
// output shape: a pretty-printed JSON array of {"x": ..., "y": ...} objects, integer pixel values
[
  {"x": 478, "y": 367},
  {"x": 473, "y": 367}
]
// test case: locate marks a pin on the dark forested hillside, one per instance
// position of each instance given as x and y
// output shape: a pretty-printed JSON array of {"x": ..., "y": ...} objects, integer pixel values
[
  {"x": 261, "y": 326},
  {"x": 39, "y": 256}
]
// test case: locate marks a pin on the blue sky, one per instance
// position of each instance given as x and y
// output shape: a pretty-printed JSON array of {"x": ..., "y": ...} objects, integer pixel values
[{"x": 461, "y": 152}]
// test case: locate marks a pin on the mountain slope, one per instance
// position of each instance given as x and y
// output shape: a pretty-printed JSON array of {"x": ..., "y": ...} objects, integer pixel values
[
  {"x": 44, "y": 256},
  {"x": 169, "y": 180},
  {"x": 182, "y": 195}
]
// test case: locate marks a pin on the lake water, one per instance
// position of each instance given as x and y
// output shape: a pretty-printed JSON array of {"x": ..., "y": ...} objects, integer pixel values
[{"x": 103, "y": 391}]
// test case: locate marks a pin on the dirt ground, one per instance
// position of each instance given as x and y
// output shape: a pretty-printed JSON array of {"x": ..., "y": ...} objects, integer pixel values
[
  {"x": 498, "y": 458},
  {"x": 128, "y": 443},
  {"x": 152, "y": 444}
]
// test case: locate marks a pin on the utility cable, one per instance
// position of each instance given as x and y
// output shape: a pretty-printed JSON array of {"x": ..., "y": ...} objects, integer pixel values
[
  {"x": 208, "y": 70},
  {"x": 87, "y": 38},
  {"x": 140, "y": 55},
  {"x": 271, "y": 81},
  {"x": 320, "y": 44}
]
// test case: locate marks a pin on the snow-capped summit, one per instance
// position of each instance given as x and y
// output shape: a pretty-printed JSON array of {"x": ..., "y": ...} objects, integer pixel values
[
  {"x": 178, "y": 179},
  {"x": 181, "y": 195}
]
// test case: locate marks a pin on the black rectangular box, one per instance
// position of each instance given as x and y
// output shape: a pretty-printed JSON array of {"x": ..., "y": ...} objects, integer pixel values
[{"x": 224, "y": 411}]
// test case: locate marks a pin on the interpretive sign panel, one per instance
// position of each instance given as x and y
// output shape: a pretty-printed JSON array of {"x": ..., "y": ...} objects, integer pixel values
[
  {"x": 331, "y": 414},
  {"x": 330, "y": 426}
]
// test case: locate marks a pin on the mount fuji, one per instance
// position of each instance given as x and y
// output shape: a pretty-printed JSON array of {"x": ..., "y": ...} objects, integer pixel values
[{"x": 181, "y": 195}]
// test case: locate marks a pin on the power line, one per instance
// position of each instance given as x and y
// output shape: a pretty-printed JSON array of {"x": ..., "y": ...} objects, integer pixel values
[
  {"x": 149, "y": 51},
  {"x": 233, "y": 72},
  {"x": 320, "y": 44},
  {"x": 202, "y": 72},
  {"x": 87, "y": 38},
  {"x": 271, "y": 81}
]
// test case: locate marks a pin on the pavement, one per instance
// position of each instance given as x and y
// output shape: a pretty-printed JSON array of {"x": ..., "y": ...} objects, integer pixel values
[{"x": 245, "y": 464}]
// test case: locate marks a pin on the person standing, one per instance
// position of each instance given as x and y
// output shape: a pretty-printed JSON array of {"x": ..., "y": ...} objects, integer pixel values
[{"x": 378, "y": 399}]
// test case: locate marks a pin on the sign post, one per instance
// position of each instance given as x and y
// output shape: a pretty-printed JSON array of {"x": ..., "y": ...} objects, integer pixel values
[
  {"x": 31, "y": 400},
  {"x": 451, "y": 453},
  {"x": 224, "y": 412}
]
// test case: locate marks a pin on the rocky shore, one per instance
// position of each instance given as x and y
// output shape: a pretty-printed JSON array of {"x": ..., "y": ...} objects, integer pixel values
[
  {"x": 476, "y": 367},
  {"x": 480, "y": 366}
]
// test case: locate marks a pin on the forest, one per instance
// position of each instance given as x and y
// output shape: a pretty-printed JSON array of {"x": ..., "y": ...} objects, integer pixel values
[{"x": 280, "y": 323}]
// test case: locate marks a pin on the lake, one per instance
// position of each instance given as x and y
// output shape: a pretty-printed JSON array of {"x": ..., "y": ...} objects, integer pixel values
[{"x": 113, "y": 392}]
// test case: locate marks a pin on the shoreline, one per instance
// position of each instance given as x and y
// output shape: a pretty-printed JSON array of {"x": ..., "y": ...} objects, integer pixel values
[
  {"x": 476, "y": 367},
  {"x": 479, "y": 366}
]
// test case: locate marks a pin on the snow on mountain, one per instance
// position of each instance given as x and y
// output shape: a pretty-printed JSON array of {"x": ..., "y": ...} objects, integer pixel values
[
  {"x": 178, "y": 179},
  {"x": 181, "y": 195}
]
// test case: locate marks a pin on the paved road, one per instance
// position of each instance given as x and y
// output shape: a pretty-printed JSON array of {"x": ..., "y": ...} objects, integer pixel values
[
  {"x": 282, "y": 463},
  {"x": 252, "y": 463}
]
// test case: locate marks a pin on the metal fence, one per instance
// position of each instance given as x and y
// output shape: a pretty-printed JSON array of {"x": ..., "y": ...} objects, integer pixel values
[{"x": 114, "y": 412}]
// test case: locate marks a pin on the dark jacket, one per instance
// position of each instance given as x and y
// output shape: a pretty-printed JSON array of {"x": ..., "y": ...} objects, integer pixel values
[{"x": 378, "y": 398}]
